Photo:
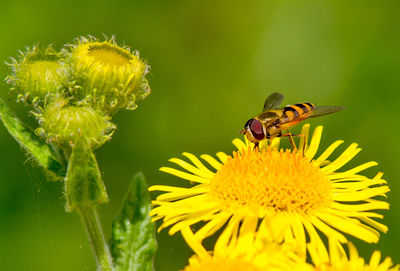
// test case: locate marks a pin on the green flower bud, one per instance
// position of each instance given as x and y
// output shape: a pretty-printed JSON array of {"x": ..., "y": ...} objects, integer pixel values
[
  {"x": 62, "y": 123},
  {"x": 37, "y": 74},
  {"x": 83, "y": 184},
  {"x": 107, "y": 76}
]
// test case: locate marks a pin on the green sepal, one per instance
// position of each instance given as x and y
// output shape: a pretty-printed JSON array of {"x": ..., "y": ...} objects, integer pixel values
[
  {"x": 40, "y": 151},
  {"x": 133, "y": 241},
  {"x": 83, "y": 184}
]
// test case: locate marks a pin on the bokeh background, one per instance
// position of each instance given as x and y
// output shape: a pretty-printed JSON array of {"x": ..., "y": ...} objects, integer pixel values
[{"x": 213, "y": 64}]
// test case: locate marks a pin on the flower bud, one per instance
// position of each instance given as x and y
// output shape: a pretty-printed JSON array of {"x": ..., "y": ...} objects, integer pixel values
[
  {"x": 107, "y": 76},
  {"x": 37, "y": 74},
  {"x": 61, "y": 123},
  {"x": 83, "y": 184}
]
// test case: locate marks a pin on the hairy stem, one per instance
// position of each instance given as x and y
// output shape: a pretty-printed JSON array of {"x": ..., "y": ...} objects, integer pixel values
[{"x": 95, "y": 234}]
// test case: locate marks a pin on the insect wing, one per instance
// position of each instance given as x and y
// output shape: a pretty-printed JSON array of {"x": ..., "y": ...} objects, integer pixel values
[
  {"x": 325, "y": 110},
  {"x": 273, "y": 101}
]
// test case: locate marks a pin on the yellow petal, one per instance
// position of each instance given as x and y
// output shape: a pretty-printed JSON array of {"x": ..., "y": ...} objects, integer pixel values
[
  {"x": 184, "y": 175},
  {"x": 304, "y": 138},
  {"x": 205, "y": 174},
  {"x": 345, "y": 157},
  {"x": 316, "y": 138},
  {"x": 239, "y": 144},
  {"x": 222, "y": 156},
  {"x": 361, "y": 195},
  {"x": 213, "y": 225},
  {"x": 197, "y": 162},
  {"x": 350, "y": 226},
  {"x": 327, "y": 230},
  {"x": 328, "y": 152},
  {"x": 212, "y": 161},
  {"x": 193, "y": 242},
  {"x": 360, "y": 207},
  {"x": 352, "y": 171}
]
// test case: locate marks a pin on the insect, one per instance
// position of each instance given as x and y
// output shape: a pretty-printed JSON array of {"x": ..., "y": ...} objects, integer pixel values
[{"x": 273, "y": 121}]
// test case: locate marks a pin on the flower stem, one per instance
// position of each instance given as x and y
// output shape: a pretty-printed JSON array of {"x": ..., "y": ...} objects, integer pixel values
[{"x": 95, "y": 234}]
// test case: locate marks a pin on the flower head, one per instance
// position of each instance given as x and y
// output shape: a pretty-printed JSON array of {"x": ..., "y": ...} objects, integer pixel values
[
  {"x": 288, "y": 194},
  {"x": 37, "y": 73},
  {"x": 337, "y": 260},
  {"x": 248, "y": 252},
  {"x": 107, "y": 76}
]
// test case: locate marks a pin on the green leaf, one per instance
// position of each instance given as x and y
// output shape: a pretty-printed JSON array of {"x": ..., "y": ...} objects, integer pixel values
[
  {"x": 40, "y": 151},
  {"x": 83, "y": 184},
  {"x": 133, "y": 241}
]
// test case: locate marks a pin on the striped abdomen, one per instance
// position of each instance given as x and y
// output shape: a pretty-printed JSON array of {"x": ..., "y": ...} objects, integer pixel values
[{"x": 296, "y": 112}]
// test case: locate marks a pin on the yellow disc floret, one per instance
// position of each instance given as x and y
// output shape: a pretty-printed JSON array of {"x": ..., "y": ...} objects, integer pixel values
[
  {"x": 271, "y": 180},
  {"x": 107, "y": 76}
]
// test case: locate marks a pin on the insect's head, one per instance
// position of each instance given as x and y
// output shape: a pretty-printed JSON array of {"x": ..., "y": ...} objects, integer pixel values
[{"x": 254, "y": 130}]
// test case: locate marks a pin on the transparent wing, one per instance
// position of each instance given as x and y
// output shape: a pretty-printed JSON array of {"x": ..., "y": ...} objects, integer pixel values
[
  {"x": 325, "y": 110},
  {"x": 273, "y": 101}
]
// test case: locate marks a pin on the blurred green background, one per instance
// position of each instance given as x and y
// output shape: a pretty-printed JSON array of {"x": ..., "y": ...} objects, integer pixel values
[{"x": 213, "y": 63}]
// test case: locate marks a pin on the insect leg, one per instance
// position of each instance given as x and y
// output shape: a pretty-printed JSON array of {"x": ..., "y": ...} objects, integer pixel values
[
  {"x": 292, "y": 143},
  {"x": 291, "y": 140},
  {"x": 256, "y": 145},
  {"x": 304, "y": 146}
]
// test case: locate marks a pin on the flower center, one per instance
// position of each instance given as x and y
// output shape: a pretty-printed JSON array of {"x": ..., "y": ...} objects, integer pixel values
[
  {"x": 108, "y": 54},
  {"x": 271, "y": 180},
  {"x": 221, "y": 264}
]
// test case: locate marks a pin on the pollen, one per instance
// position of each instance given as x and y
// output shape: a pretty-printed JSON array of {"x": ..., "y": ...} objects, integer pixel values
[{"x": 271, "y": 180}]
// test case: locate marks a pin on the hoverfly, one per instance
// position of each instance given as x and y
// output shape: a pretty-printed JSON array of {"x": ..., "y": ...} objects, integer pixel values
[{"x": 272, "y": 121}]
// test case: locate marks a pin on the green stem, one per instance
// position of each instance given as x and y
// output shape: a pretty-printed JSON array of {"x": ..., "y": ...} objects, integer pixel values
[{"x": 95, "y": 234}]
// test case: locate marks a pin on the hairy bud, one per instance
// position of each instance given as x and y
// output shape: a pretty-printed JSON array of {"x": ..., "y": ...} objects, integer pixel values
[
  {"x": 36, "y": 74},
  {"x": 107, "y": 76},
  {"x": 61, "y": 123}
]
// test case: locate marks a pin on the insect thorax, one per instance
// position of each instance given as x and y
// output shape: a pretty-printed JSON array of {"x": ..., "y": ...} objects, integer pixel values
[{"x": 268, "y": 118}]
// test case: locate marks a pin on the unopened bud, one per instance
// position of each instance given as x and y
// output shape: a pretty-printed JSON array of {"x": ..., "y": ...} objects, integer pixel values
[
  {"x": 83, "y": 184},
  {"x": 61, "y": 123},
  {"x": 107, "y": 76},
  {"x": 37, "y": 74}
]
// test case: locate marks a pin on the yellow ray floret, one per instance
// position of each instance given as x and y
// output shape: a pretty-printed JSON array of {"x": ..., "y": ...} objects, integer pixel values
[
  {"x": 249, "y": 252},
  {"x": 337, "y": 259},
  {"x": 290, "y": 195}
]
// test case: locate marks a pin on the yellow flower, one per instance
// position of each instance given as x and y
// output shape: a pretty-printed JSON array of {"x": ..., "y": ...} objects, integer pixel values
[
  {"x": 288, "y": 194},
  {"x": 248, "y": 252},
  {"x": 337, "y": 260}
]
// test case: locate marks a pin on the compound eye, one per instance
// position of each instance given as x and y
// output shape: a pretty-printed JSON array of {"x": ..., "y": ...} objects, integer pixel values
[
  {"x": 256, "y": 129},
  {"x": 248, "y": 123}
]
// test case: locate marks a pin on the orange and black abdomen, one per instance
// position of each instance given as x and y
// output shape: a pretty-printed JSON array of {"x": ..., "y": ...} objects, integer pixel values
[{"x": 296, "y": 112}]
